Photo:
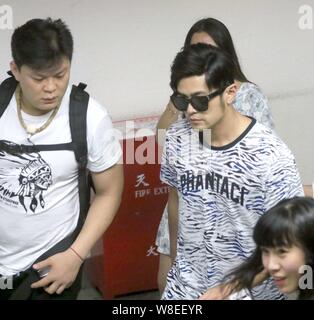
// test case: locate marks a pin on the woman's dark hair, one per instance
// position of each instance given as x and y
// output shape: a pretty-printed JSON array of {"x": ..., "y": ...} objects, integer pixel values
[
  {"x": 40, "y": 44},
  {"x": 220, "y": 34},
  {"x": 199, "y": 59},
  {"x": 290, "y": 222}
]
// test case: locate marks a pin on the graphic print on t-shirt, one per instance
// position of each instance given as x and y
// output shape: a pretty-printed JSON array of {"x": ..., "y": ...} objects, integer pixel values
[
  {"x": 25, "y": 177},
  {"x": 222, "y": 192}
]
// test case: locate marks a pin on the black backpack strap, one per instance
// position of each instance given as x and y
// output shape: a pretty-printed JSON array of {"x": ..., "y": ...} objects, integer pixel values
[
  {"x": 23, "y": 148},
  {"x": 7, "y": 89},
  {"x": 78, "y": 112}
]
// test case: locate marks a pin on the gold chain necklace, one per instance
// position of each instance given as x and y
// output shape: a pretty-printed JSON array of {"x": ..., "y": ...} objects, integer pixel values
[{"x": 31, "y": 129}]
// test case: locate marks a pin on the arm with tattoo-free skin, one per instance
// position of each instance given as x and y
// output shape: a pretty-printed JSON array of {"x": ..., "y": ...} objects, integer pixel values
[{"x": 65, "y": 266}]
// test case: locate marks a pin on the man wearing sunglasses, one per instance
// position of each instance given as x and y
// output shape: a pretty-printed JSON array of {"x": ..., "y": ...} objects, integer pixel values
[{"x": 224, "y": 169}]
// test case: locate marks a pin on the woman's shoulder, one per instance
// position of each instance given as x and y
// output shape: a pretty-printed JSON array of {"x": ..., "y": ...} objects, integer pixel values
[
  {"x": 251, "y": 101},
  {"x": 249, "y": 93},
  {"x": 249, "y": 88}
]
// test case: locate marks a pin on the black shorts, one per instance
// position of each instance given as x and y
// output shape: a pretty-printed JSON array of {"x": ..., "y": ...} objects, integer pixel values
[{"x": 70, "y": 293}]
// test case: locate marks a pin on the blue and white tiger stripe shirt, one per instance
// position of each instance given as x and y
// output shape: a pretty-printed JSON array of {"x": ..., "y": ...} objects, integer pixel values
[{"x": 222, "y": 192}]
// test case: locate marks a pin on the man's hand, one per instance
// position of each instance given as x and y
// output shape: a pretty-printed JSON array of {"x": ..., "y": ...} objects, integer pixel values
[{"x": 64, "y": 268}]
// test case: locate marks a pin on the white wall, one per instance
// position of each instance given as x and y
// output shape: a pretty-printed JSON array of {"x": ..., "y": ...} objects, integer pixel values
[{"x": 124, "y": 48}]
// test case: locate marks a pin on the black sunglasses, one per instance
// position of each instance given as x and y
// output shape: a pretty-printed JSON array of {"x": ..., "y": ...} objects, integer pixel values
[{"x": 199, "y": 103}]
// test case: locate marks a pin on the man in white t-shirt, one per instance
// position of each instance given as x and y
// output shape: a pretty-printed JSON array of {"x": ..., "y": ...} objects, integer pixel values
[
  {"x": 224, "y": 170},
  {"x": 39, "y": 194}
]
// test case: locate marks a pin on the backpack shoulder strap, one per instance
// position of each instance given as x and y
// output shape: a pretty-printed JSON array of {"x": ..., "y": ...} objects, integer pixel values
[
  {"x": 78, "y": 112},
  {"x": 79, "y": 99},
  {"x": 7, "y": 89}
]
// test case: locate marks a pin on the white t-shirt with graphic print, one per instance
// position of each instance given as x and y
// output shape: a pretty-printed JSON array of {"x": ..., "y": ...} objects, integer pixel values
[
  {"x": 39, "y": 200},
  {"x": 222, "y": 193}
]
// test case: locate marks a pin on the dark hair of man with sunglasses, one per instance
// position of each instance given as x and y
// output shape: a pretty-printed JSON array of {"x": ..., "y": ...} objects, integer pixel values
[
  {"x": 219, "y": 184},
  {"x": 203, "y": 59},
  {"x": 202, "y": 80}
]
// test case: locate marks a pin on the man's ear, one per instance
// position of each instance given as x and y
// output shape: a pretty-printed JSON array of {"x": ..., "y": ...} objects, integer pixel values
[
  {"x": 15, "y": 70},
  {"x": 230, "y": 93}
]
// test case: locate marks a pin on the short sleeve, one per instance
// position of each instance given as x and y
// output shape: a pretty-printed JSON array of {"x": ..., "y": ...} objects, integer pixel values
[
  {"x": 104, "y": 149},
  {"x": 283, "y": 180}
]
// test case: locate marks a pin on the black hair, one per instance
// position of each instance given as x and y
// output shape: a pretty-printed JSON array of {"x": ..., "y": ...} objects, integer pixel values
[
  {"x": 221, "y": 35},
  {"x": 199, "y": 59},
  {"x": 40, "y": 44},
  {"x": 290, "y": 222}
]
